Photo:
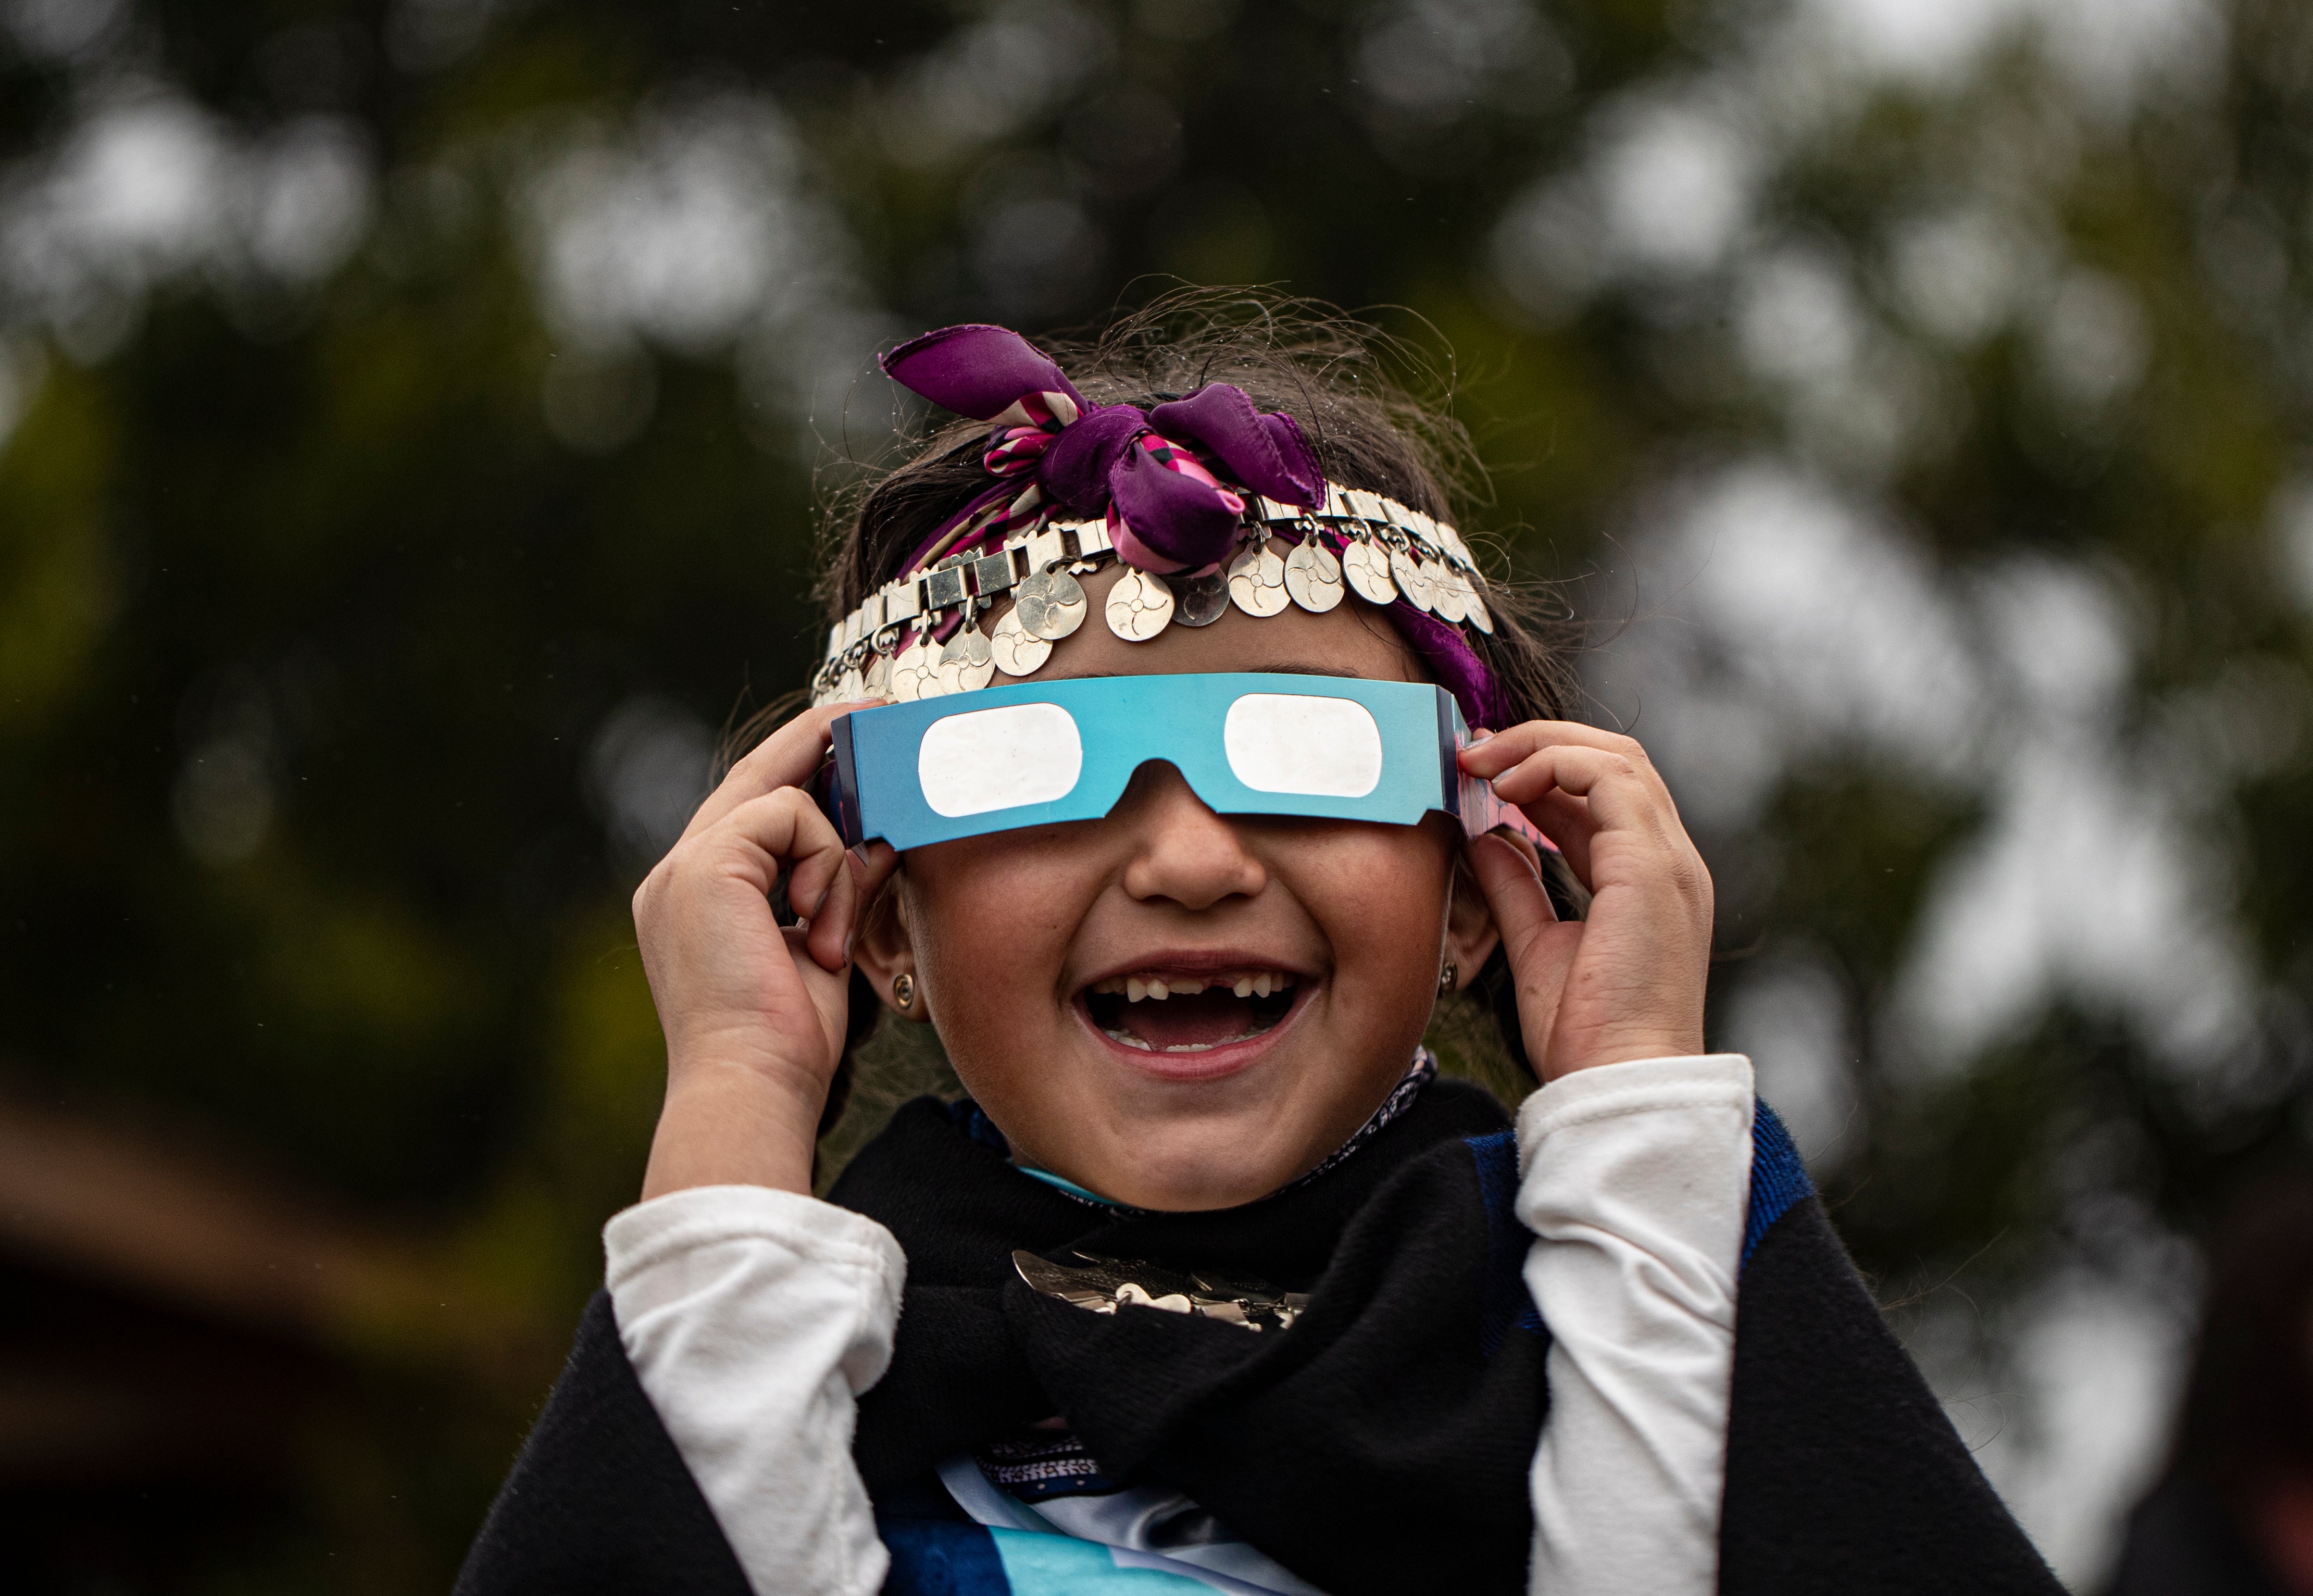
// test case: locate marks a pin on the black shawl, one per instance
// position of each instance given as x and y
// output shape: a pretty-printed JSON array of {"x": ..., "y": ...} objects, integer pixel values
[{"x": 1381, "y": 1443}]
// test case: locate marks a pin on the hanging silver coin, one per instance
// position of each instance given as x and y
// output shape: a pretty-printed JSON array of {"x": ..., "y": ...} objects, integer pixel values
[
  {"x": 1256, "y": 581},
  {"x": 1455, "y": 549},
  {"x": 966, "y": 662},
  {"x": 1367, "y": 569},
  {"x": 1425, "y": 578},
  {"x": 1480, "y": 616},
  {"x": 1313, "y": 576},
  {"x": 1448, "y": 593},
  {"x": 1199, "y": 601},
  {"x": 1014, "y": 651},
  {"x": 911, "y": 670},
  {"x": 1050, "y": 604},
  {"x": 1140, "y": 606},
  {"x": 879, "y": 675},
  {"x": 852, "y": 688},
  {"x": 1411, "y": 580}
]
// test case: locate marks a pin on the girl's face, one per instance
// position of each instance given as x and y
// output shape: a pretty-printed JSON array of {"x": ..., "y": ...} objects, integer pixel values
[{"x": 1299, "y": 958}]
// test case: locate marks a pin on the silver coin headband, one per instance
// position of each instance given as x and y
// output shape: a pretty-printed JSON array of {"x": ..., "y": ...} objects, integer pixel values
[{"x": 919, "y": 637}]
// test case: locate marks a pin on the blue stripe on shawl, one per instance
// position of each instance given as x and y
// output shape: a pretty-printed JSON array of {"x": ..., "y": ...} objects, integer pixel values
[
  {"x": 1778, "y": 1177},
  {"x": 941, "y": 1558},
  {"x": 1062, "y": 1566},
  {"x": 1505, "y": 1305}
]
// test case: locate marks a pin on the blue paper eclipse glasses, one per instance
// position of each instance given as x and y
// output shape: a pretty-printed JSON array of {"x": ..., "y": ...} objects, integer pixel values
[{"x": 1330, "y": 747}]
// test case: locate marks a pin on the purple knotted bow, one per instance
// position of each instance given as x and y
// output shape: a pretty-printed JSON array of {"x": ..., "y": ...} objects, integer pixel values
[
  {"x": 1167, "y": 511},
  {"x": 1170, "y": 513}
]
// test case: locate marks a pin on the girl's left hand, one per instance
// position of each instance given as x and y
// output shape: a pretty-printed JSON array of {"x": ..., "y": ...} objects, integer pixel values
[{"x": 1628, "y": 982}]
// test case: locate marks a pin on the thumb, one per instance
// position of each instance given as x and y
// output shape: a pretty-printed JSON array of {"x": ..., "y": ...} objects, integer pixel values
[
  {"x": 1539, "y": 946},
  {"x": 828, "y": 989},
  {"x": 1513, "y": 888}
]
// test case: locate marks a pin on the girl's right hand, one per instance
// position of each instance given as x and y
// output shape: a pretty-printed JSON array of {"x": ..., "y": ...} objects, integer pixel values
[{"x": 754, "y": 1012}]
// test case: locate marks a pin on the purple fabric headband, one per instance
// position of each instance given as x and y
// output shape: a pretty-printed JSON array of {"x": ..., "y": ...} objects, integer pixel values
[{"x": 1171, "y": 505}]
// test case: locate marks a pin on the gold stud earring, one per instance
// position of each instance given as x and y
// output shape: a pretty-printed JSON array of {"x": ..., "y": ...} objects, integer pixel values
[
  {"x": 904, "y": 991},
  {"x": 1445, "y": 976}
]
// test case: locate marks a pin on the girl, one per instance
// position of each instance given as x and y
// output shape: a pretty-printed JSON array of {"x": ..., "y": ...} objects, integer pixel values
[{"x": 1150, "y": 765}]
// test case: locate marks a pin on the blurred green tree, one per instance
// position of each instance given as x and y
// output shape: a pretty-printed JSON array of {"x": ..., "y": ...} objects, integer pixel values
[{"x": 413, "y": 413}]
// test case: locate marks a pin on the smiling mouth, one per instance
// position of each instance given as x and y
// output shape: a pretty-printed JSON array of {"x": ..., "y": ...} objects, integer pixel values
[{"x": 1160, "y": 1012}]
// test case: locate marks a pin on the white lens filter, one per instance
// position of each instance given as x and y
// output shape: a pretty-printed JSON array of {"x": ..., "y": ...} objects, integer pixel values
[
  {"x": 1290, "y": 741},
  {"x": 1000, "y": 759}
]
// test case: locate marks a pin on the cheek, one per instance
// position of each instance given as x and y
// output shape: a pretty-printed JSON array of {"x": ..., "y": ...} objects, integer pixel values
[
  {"x": 1380, "y": 894},
  {"x": 990, "y": 919}
]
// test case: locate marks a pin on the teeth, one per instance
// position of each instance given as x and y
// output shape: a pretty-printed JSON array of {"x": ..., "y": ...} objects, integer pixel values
[
  {"x": 1137, "y": 988},
  {"x": 1208, "y": 1046},
  {"x": 1129, "y": 1040}
]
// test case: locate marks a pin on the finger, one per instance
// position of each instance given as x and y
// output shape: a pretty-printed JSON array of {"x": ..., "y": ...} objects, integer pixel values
[
  {"x": 876, "y": 861},
  {"x": 1632, "y": 838},
  {"x": 829, "y": 990},
  {"x": 828, "y": 938},
  {"x": 1504, "y": 749},
  {"x": 779, "y": 829},
  {"x": 1567, "y": 821},
  {"x": 789, "y": 757},
  {"x": 836, "y": 923},
  {"x": 1527, "y": 850},
  {"x": 1512, "y": 760},
  {"x": 1621, "y": 793}
]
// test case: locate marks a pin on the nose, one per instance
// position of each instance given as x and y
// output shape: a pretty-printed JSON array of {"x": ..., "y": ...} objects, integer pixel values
[{"x": 1180, "y": 849}]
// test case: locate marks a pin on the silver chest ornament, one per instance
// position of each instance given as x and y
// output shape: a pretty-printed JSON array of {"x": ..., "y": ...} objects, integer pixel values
[
  {"x": 1140, "y": 606},
  {"x": 1103, "y": 1285},
  {"x": 1256, "y": 581}
]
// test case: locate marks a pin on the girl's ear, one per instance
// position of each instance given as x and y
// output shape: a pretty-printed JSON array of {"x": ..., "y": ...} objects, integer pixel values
[
  {"x": 883, "y": 953},
  {"x": 1471, "y": 935}
]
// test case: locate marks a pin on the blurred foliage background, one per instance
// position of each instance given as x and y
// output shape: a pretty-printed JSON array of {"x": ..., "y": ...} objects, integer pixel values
[{"x": 412, "y": 413}]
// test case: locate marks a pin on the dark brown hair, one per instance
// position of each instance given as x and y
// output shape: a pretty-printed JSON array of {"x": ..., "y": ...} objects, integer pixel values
[{"x": 1370, "y": 430}]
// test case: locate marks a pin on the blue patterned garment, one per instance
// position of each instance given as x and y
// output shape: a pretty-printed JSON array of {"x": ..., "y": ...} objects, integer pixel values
[
  {"x": 930, "y": 1559},
  {"x": 1778, "y": 1177}
]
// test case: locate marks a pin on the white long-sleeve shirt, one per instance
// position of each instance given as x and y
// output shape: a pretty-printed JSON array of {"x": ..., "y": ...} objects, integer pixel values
[{"x": 754, "y": 1318}]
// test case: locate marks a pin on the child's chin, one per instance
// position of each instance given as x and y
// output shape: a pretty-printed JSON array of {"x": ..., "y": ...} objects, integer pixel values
[{"x": 1218, "y": 1170}]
